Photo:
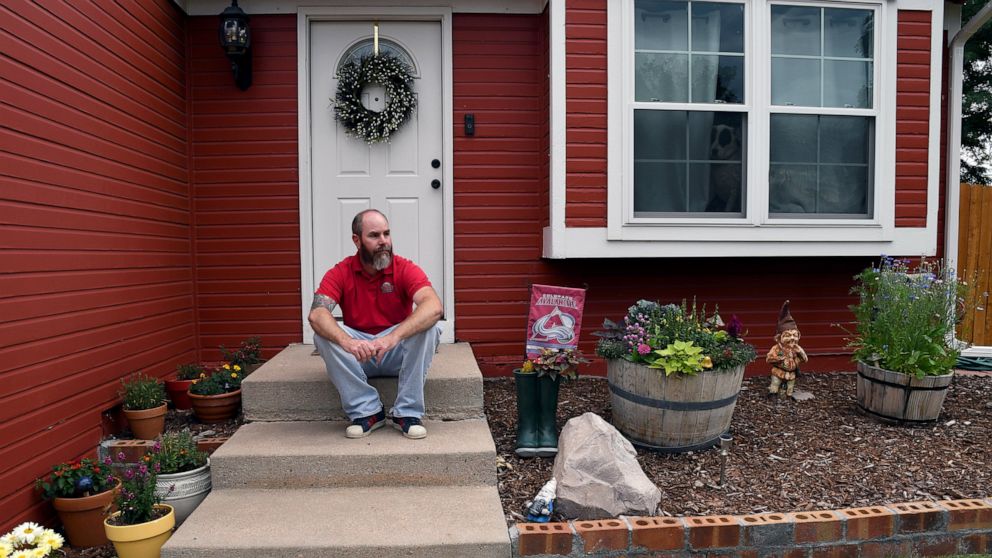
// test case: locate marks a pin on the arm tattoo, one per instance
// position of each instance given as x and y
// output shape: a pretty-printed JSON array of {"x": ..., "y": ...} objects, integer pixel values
[{"x": 323, "y": 301}]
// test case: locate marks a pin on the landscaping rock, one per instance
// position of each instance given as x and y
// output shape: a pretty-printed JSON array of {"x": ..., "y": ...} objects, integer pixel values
[{"x": 598, "y": 474}]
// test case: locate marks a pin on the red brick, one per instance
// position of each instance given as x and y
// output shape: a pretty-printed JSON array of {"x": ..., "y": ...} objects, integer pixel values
[
  {"x": 817, "y": 527},
  {"x": 936, "y": 546},
  {"x": 967, "y": 514},
  {"x": 918, "y": 517},
  {"x": 886, "y": 549},
  {"x": 210, "y": 445},
  {"x": 713, "y": 531},
  {"x": 839, "y": 551},
  {"x": 610, "y": 534},
  {"x": 133, "y": 450},
  {"x": 767, "y": 529},
  {"x": 544, "y": 538},
  {"x": 978, "y": 543},
  {"x": 657, "y": 533},
  {"x": 774, "y": 553},
  {"x": 869, "y": 523}
]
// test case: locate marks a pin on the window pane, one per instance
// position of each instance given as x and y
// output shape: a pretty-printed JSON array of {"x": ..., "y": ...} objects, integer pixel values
[
  {"x": 661, "y": 77},
  {"x": 716, "y": 136},
  {"x": 659, "y": 187},
  {"x": 792, "y": 189},
  {"x": 796, "y": 81},
  {"x": 795, "y": 30},
  {"x": 793, "y": 138},
  {"x": 847, "y": 84},
  {"x": 848, "y": 33},
  {"x": 659, "y": 134},
  {"x": 661, "y": 25},
  {"x": 717, "y": 27},
  {"x": 843, "y": 190},
  {"x": 716, "y": 187},
  {"x": 845, "y": 139},
  {"x": 718, "y": 78}
]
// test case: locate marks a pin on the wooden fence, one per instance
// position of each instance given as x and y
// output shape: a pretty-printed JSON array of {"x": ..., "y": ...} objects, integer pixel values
[{"x": 975, "y": 259}]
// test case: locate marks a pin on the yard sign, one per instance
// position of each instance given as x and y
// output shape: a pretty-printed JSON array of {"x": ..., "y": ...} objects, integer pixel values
[{"x": 555, "y": 318}]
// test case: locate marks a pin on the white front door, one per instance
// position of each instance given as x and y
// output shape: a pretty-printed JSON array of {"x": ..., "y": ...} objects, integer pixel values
[{"x": 348, "y": 175}]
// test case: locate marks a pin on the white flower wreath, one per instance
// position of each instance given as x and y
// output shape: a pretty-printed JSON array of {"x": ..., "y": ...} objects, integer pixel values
[{"x": 369, "y": 125}]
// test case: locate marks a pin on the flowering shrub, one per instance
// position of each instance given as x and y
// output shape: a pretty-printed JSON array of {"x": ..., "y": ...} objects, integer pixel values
[
  {"x": 141, "y": 392},
  {"x": 176, "y": 453},
  {"x": 677, "y": 339},
  {"x": 136, "y": 499},
  {"x": 224, "y": 380},
  {"x": 554, "y": 362},
  {"x": 190, "y": 371},
  {"x": 30, "y": 540},
  {"x": 76, "y": 479},
  {"x": 905, "y": 321},
  {"x": 248, "y": 353}
]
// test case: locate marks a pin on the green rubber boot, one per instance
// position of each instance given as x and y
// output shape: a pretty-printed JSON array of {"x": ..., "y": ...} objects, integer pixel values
[
  {"x": 527, "y": 413},
  {"x": 547, "y": 429}
]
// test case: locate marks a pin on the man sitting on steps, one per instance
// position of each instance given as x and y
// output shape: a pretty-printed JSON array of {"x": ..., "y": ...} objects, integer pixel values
[{"x": 382, "y": 334}]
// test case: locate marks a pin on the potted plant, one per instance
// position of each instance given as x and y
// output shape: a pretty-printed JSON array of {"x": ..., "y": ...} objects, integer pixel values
[
  {"x": 144, "y": 406},
  {"x": 82, "y": 492},
  {"x": 183, "y": 472},
  {"x": 217, "y": 397},
  {"x": 31, "y": 540},
  {"x": 141, "y": 525},
  {"x": 904, "y": 342},
  {"x": 673, "y": 374},
  {"x": 538, "y": 381},
  {"x": 248, "y": 355},
  {"x": 177, "y": 388}
]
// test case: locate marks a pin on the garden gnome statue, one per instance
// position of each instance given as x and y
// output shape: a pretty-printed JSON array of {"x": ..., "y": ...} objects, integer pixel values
[{"x": 786, "y": 355}]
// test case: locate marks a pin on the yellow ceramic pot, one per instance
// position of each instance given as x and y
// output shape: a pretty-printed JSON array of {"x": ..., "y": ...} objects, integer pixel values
[{"x": 143, "y": 540}]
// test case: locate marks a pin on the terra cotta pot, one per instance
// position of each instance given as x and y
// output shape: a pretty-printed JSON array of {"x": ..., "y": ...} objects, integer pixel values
[
  {"x": 216, "y": 408},
  {"x": 177, "y": 393},
  {"x": 83, "y": 517},
  {"x": 147, "y": 424}
]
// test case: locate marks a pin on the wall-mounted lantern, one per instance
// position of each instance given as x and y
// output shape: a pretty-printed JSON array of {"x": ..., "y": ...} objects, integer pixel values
[{"x": 235, "y": 39}]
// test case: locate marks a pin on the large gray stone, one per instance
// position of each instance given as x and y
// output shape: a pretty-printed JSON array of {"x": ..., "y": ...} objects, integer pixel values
[{"x": 598, "y": 473}]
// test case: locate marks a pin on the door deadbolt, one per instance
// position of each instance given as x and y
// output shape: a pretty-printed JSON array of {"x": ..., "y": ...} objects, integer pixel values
[
  {"x": 435, "y": 184},
  {"x": 436, "y": 164}
]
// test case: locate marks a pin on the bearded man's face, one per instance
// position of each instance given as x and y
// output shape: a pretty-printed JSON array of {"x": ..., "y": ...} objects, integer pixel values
[{"x": 375, "y": 246}]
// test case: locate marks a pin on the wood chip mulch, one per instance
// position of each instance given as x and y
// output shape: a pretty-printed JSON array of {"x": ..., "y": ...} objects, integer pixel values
[{"x": 787, "y": 456}]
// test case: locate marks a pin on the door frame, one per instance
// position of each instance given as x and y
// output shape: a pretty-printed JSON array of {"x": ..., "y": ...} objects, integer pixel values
[{"x": 308, "y": 15}]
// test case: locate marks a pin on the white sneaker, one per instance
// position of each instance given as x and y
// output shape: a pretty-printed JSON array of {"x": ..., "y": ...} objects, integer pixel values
[{"x": 410, "y": 426}]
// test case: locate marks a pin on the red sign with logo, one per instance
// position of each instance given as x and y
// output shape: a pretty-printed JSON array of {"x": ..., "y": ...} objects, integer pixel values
[{"x": 555, "y": 318}]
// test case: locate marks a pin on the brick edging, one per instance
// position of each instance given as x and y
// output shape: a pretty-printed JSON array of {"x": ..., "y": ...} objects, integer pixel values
[
  {"x": 924, "y": 528},
  {"x": 134, "y": 450}
]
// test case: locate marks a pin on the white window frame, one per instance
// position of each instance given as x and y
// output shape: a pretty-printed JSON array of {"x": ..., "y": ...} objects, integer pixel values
[{"x": 756, "y": 225}]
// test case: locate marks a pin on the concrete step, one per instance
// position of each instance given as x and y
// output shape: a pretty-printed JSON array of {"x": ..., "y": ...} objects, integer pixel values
[
  {"x": 421, "y": 522},
  {"x": 293, "y": 386},
  {"x": 317, "y": 455}
]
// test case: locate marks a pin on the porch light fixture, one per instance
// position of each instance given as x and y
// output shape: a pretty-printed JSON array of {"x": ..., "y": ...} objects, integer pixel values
[{"x": 235, "y": 39}]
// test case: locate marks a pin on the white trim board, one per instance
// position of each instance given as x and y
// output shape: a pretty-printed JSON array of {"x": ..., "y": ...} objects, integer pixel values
[
  {"x": 253, "y": 7},
  {"x": 307, "y": 15}
]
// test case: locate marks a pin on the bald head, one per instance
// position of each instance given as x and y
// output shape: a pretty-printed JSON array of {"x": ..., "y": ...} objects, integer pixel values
[{"x": 358, "y": 223}]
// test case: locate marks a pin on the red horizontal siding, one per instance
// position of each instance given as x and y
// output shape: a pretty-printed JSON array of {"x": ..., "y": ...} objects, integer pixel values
[
  {"x": 244, "y": 158},
  {"x": 95, "y": 263},
  {"x": 912, "y": 117}
]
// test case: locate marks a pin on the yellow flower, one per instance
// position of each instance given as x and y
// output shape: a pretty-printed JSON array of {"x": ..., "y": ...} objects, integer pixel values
[
  {"x": 202, "y": 375},
  {"x": 194, "y": 381},
  {"x": 227, "y": 367},
  {"x": 528, "y": 366},
  {"x": 234, "y": 374},
  {"x": 707, "y": 362},
  {"x": 237, "y": 368}
]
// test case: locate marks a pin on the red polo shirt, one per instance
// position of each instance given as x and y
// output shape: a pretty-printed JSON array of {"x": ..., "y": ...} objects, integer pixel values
[{"x": 373, "y": 303}]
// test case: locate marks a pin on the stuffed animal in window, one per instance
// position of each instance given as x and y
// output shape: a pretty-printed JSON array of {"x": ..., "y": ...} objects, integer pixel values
[{"x": 786, "y": 355}]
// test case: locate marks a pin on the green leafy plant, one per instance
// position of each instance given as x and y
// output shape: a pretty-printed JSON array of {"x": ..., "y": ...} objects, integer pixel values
[
  {"x": 678, "y": 339},
  {"x": 176, "y": 452},
  {"x": 189, "y": 371},
  {"x": 76, "y": 479},
  {"x": 140, "y": 392},
  {"x": 555, "y": 362},
  {"x": 905, "y": 318},
  {"x": 225, "y": 380},
  {"x": 136, "y": 498},
  {"x": 248, "y": 353}
]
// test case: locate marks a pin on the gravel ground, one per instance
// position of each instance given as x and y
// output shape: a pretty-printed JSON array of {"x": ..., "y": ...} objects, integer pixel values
[{"x": 787, "y": 456}]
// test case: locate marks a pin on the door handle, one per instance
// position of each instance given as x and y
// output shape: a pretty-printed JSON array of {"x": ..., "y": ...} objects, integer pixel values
[{"x": 435, "y": 184}]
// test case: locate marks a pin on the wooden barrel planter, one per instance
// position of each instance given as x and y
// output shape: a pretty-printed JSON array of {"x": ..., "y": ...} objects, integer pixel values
[
  {"x": 672, "y": 413},
  {"x": 897, "y": 398}
]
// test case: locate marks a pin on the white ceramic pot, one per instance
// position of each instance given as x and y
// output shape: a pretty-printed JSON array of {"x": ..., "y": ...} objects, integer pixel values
[{"x": 188, "y": 490}]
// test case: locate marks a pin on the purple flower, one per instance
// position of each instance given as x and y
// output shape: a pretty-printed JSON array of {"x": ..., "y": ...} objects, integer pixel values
[
  {"x": 108, "y": 461},
  {"x": 129, "y": 474},
  {"x": 143, "y": 469},
  {"x": 643, "y": 349},
  {"x": 158, "y": 468},
  {"x": 157, "y": 446},
  {"x": 121, "y": 456},
  {"x": 735, "y": 326}
]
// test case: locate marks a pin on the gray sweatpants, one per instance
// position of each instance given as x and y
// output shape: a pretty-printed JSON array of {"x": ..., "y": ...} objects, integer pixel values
[{"x": 409, "y": 360}]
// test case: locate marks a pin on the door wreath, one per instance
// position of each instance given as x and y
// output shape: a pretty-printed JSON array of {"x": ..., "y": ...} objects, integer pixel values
[{"x": 365, "y": 124}]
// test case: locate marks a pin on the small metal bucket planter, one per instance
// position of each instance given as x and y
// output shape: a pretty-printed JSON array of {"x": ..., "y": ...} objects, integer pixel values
[{"x": 188, "y": 489}]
